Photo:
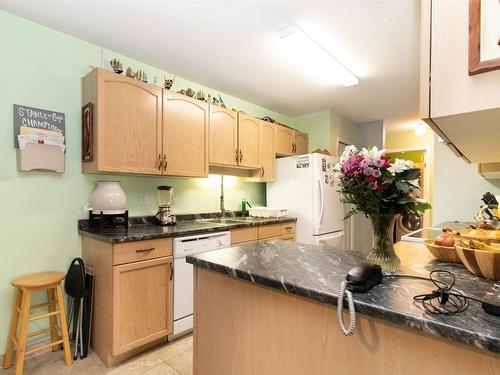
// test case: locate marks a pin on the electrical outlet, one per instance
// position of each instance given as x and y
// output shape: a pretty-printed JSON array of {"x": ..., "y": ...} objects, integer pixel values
[{"x": 143, "y": 199}]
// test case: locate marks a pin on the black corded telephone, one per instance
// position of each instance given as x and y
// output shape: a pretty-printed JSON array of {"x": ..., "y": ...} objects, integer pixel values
[
  {"x": 359, "y": 279},
  {"x": 363, "y": 277}
]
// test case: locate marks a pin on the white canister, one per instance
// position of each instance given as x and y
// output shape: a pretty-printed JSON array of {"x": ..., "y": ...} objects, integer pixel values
[{"x": 108, "y": 198}]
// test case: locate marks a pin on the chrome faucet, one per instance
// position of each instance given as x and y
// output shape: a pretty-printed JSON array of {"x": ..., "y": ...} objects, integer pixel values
[{"x": 222, "y": 209}]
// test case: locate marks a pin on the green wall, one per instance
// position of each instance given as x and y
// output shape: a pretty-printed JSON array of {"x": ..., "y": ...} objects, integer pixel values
[
  {"x": 317, "y": 125},
  {"x": 42, "y": 68}
]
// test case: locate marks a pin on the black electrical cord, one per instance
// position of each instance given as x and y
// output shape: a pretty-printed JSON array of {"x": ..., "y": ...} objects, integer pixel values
[{"x": 445, "y": 300}]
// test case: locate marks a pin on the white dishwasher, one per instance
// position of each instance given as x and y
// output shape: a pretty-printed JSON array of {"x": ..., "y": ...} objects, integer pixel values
[{"x": 183, "y": 274}]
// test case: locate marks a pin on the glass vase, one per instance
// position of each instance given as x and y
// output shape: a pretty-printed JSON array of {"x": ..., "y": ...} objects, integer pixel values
[{"x": 382, "y": 251}]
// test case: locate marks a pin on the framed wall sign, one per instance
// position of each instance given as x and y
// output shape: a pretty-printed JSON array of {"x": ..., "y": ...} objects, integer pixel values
[{"x": 484, "y": 36}]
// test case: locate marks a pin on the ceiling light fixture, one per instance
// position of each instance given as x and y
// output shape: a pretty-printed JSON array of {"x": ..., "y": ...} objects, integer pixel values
[
  {"x": 314, "y": 58},
  {"x": 420, "y": 128}
]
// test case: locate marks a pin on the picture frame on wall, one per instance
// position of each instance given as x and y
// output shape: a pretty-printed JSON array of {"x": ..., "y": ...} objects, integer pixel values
[
  {"x": 88, "y": 132},
  {"x": 484, "y": 36}
]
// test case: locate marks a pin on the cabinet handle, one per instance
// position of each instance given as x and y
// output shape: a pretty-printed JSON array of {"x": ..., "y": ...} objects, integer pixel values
[
  {"x": 288, "y": 228},
  {"x": 241, "y": 156},
  {"x": 160, "y": 162},
  {"x": 237, "y": 155},
  {"x": 262, "y": 171},
  {"x": 165, "y": 162},
  {"x": 171, "y": 271},
  {"x": 145, "y": 250},
  {"x": 293, "y": 148}
]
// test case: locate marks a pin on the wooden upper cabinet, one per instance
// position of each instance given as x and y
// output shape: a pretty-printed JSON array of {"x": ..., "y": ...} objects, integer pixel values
[
  {"x": 142, "y": 303},
  {"x": 223, "y": 136},
  {"x": 290, "y": 142},
  {"x": 301, "y": 141},
  {"x": 283, "y": 141},
  {"x": 267, "y": 154},
  {"x": 185, "y": 136},
  {"x": 127, "y": 123},
  {"x": 248, "y": 141}
]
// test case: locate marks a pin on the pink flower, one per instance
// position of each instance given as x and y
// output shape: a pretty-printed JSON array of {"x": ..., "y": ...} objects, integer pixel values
[
  {"x": 368, "y": 171},
  {"x": 379, "y": 163},
  {"x": 364, "y": 163},
  {"x": 376, "y": 173}
]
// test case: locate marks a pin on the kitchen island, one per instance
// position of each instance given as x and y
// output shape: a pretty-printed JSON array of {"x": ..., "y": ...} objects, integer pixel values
[{"x": 270, "y": 308}]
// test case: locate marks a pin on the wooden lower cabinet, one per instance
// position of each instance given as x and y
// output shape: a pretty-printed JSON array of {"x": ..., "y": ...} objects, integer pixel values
[
  {"x": 283, "y": 231},
  {"x": 133, "y": 301},
  {"x": 142, "y": 306}
]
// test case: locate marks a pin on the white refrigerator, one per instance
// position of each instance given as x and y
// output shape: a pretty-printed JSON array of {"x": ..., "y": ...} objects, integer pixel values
[{"x": 305, "y": 185}]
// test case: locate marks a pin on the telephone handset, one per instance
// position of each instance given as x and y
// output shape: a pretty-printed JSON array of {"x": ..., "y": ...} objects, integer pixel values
[{"x": 359, "y": 279}]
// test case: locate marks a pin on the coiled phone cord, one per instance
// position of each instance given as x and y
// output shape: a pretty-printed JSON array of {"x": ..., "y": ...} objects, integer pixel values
[{"x": 340, "y": 307}]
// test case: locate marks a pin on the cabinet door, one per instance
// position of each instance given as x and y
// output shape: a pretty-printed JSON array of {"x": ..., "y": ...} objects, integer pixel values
[
  {"x": 267, "y": 154},
  {"x": 129, "y": 117},
  {"x": 284, "y": 141},
  {"x": 142, "y": 303},
  {"x": 301, "y": 141},
  {"x": 223, "y": 136},
  {"x": 185, "y": 136},
  {"x": 248, "y": 141}
]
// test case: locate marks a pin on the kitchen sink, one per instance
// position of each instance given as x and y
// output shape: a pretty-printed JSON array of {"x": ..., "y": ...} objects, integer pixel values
[{"x": 225, "y": 221}]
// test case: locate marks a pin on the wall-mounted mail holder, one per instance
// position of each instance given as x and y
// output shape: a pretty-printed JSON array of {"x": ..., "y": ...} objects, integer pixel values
[
  {"x": 40, "y": 157},
  {"x": 39, "y": 139}
]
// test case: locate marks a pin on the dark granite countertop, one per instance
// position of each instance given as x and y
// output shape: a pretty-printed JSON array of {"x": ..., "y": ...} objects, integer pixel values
[
  {"x": 315, "y": 272},
  {"x": 143, "y": 228}
]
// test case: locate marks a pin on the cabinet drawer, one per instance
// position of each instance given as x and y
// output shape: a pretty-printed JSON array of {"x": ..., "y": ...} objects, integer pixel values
[
  {"x": 288, "y": 237},
  {"x": 268, "y": 231},
  {"x": 141, "y": 250},
  {"x": 244, "y": 235},
  {"x": 287, "y": 228}
]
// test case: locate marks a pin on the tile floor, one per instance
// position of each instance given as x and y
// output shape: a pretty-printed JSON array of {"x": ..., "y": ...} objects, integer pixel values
[{"x": 175, "y": 358}]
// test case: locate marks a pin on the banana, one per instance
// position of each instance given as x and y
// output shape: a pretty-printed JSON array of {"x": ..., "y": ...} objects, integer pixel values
[{"x": 473, "y": 244}]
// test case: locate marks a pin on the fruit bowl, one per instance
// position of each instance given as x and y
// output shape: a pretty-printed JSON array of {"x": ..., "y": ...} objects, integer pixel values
[
  {"x": 482, "y": 263},
  {"x": 444, "y": 253}
]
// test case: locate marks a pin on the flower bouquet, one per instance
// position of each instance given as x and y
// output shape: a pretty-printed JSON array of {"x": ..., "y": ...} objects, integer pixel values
[{"x": 380, "y": 190}]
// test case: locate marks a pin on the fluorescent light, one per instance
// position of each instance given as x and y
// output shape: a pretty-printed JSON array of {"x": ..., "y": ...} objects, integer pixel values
[
  {"x": 314, "y": 58},
  {"x": 420, "y": 128}
]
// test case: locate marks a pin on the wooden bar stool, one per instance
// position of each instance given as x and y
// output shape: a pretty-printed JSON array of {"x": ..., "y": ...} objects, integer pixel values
[{"x": 26, "y": 285}]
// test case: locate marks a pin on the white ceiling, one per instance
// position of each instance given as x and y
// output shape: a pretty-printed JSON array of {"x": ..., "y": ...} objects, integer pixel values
[{"x": 232, "y": 47}]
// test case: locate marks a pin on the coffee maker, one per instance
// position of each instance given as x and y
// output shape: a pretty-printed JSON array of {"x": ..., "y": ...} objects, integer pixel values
[{"x": 166, "y": 198}]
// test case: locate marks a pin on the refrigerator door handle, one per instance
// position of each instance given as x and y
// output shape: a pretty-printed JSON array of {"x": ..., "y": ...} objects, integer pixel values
[{"x": 321, "y": 200}]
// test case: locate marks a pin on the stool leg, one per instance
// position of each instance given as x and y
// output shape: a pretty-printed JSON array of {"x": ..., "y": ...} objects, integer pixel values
[
  {"x": 21, "y": 343},
  {"x": 51, "y": 295},
  {"x": 7, "y": 360},
  {"x": 64, "y": 325}
]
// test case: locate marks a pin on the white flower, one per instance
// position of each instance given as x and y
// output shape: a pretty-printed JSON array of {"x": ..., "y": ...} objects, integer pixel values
[
  {"x": 373, "y": 154},
  {"x": 348, "y": 152},
  {"x": 399, "y": 166},
  {"x": 415, "y": 182}
]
